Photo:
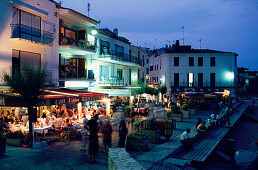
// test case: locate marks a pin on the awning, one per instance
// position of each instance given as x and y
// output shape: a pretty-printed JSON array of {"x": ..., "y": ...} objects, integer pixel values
[{"x": 53, "y": 97}]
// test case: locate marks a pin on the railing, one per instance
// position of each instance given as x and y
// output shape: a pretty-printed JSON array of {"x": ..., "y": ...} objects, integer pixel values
[
  {"x": 32, "y": 34},
  {"x": 113, "y": 81},
  {"x": 78, "y": 43},
  {"x": 204, "y": 85},
  {"x": 120, "y": 56}
]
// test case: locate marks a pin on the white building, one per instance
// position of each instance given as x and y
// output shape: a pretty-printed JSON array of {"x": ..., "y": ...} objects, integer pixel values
[
  {"x": 182, "y": 67},
  {"x": 77, "y": 45},
  {"x": 116, "y": 69},
  {"x": 29, "y": 35}
]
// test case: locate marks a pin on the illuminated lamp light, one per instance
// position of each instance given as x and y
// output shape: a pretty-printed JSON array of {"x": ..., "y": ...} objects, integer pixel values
[
  {"x": 230, "y": 76},
  {"x": 94, "y": 32}
]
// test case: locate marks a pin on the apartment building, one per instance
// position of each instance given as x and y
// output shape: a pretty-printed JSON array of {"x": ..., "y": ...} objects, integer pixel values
[
  {"x": 77, "y": 45},
  {"x": 182, "y": 68},
  {"x": 29, "y": 36},
  {"x": 115, "y": 67}
]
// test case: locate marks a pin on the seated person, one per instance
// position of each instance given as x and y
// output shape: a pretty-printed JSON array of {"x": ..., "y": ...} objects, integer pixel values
[
  {"x": 198, "y": 122},
  {"x": 25, "y": 118},
  {"x": 67, "y": 123},
  {"x": 211, "y": 121},
  {"x": 186, "y": 140},
  {"x": 201, "y": 129}
]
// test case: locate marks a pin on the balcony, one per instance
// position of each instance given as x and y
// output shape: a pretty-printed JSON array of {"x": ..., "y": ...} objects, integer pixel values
[
  {"x": 121, "y": 57},
  {"x": 31, "y": 34},
  {"x": 79, "y": 44},
  {"x": 111, "y": 81}
]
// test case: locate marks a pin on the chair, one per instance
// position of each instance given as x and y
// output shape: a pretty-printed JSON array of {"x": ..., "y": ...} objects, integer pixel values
[{"x": 66, "y": 132}]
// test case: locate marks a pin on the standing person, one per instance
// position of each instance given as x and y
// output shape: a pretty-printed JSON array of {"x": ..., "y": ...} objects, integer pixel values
[
  {"x": 198, "y": 122},
  {"x": 106, "y": 131},
  {"x": 84, "y": 134},
  {"x": 122, "y": 134},
  {"x": 92, "y": 126}
]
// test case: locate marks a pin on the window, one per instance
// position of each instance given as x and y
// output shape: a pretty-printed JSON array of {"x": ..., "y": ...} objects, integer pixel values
[
  {"x": 143, "y": 60},
  {"x": 191, "y": 61},
  {"x": 190, "y": 79},
  {"x": 130, "y": 76},
  {"x": 235, "y": 61},
  {"x": 200, "y": 61},
  {"x": 212, "y": 79},
  {"x": 200, "y": 79},
  {"x": 26, "y": 25},
  {"x": 103, "y": 72},
  {"x": 160, "y": 64},
  {"x": 22, "y": 58},
  {"x": 157, "y": 67},
  {"x": 176, "y": 79},
  {"x": 213, "y": 62},
  {"x": 120, "y": 51},
  {"x": 176, "y": 61},
  {"x": 151, "y": 68},
  {"x": 147, "y": 61},
  {"x": 147, "y": 70},
  {"x": 104, "y": 47},
  {"x": 120, "y": 74}
]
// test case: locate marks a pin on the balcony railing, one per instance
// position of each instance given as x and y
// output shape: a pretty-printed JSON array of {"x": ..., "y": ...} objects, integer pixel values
[
  {"x": 32, "y": 34},
  {"x": 78, "y": 43},
  {"x": 112, "y": 81},
  {"x": 120, "y": 56},
  {"x": 204, "y": 85}
]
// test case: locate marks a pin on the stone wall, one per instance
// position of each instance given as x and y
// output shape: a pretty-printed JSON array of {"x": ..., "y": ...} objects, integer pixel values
[{"x": 119, "y": 159}]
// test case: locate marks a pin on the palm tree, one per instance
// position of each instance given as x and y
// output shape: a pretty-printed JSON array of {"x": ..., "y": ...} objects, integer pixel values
[{"x": 30, "y": 84}]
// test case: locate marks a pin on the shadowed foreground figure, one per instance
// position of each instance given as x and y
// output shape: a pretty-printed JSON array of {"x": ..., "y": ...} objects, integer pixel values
[
  {"x": 122, "y": 134},
  {"x": 93, "y": 127}
]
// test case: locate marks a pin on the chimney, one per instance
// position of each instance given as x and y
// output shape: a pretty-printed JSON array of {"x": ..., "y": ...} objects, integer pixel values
[
  {"x": 115, "y": 31},
  {"x": 177, "y": 43}
]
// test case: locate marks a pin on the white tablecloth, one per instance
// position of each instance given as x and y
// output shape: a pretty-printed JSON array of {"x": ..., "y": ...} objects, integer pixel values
[{"x": 41, "y": 130}]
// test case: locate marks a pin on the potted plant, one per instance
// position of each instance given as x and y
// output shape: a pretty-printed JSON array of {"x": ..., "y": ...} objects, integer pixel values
[
  {"x": 169, "y": 117},
  {"x": 15, "y": 138},
  {"x": 128, "y": 110},
  {"x": 137, "y": 141},
  {"x": 192, "y": 108},
  {"x": 177, "y": 114},
  {"x": 2, "y": 143},
  {"x": 185, "y": 109},
  {"x": 151, "y": 130}
]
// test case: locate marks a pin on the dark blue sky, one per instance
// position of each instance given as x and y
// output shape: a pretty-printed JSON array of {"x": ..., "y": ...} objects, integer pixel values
[{"x": 227, "y": 25}]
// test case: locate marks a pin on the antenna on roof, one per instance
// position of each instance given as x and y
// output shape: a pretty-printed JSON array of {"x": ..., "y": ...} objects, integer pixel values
[
  {"x": 154, "y": 43},
  {"x": 183, "y": 29},
  {"x": 88, "y": 9},
  {"x": 200, "y": 43}
]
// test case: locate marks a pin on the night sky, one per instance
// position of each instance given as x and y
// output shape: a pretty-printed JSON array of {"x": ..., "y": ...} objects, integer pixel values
[{"x": 226, "y": 25}]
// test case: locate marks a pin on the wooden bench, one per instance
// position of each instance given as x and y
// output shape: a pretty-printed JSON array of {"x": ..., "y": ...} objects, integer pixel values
[{"x": 203, "y": 148}]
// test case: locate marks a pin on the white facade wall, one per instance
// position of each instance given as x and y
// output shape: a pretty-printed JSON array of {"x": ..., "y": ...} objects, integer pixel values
[
  {"x": 224, "y": 67},
  {"x": 49, "y": 54}
]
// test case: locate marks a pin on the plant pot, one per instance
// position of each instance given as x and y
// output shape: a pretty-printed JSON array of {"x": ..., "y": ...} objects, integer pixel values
[
  {"x": 178, "y": 117},
  {"x": 137, "y": 143},
  {"x": 14, "y": 142},
  {"x": 186, "y": 114},
  {"x": 192, "y": 111},
  {"x": 154, "y": 135},
  {"x": 2, "y": 145}
]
